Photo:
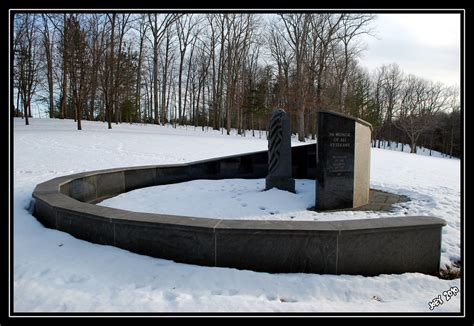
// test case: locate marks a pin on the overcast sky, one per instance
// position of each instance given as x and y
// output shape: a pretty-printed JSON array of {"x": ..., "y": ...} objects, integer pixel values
[{"x": 426, "y": 45}]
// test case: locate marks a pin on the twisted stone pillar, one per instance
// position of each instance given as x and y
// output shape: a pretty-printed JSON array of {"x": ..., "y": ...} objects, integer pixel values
[{"x": 279, "y": 153}]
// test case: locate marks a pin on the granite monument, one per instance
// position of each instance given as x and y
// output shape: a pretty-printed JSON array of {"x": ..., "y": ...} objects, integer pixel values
[
  {"x": 279, "y": 153},
  {"x": 343, "y": 161}
]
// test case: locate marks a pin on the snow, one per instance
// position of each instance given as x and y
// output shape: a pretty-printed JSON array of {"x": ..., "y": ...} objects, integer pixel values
[
  {"x": 420, "y": 150},
  {"x": 224, "y": 199},
  {"x": 55, "y": 272}
]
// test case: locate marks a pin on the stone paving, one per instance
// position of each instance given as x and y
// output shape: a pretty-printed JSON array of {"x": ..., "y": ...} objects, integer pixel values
[{"x": 378, "y": 201}]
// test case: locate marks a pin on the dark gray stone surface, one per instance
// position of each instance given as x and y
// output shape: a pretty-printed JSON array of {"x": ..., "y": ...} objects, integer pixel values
[
  {"x": 391, "y": 223},
  {"x": 395, "y": 250},
  {"x": 303, "y": 159},
  {"x": 45, "y": 212},
  {"x": 90, "y": 227},
  {"x": 277, "y": 251},
  {"x": 367, "y": 247},
  {"x": 339, "y": 143},
  {"x": 208, "y": 170},
  {"x": 170, "y": 241},
  {"x": 139, "y": 178},
  {"x": 378, "y": 201},
  {"x": 83, "y": 189},
  {"x": 335, "y": 180},
  {"x": 279, "y": 153},
  {"x": 110, "y": 184},
  {"x": 172, "y": 174}
]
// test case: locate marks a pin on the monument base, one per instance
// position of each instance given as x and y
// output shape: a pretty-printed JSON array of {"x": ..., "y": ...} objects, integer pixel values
[{"x": 282, "y": 183}]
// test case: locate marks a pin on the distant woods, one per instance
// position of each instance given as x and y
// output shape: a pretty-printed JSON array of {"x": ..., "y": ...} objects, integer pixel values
[{"x": 222, "y": 71}]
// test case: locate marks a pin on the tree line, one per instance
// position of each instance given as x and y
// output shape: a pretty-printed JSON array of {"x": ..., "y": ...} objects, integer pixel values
[{"x": 222, "y": 71}]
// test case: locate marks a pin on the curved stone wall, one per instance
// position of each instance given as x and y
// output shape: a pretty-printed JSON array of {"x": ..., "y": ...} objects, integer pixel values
[{"x": 367, "y": 247}]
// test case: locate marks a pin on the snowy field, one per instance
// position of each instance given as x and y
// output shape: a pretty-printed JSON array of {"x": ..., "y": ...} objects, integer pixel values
[
  {"x": 420, "y": 150},
  {"x": 55, "y": 272}
]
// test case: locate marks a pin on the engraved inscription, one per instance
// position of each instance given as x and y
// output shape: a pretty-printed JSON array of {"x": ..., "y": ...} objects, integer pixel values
[
  {"x": 339, "y": 161},
  {"x": 340, "y": 139}
]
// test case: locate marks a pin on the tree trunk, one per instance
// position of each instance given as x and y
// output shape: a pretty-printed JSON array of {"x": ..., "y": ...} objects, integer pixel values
[
  {"x": 116, "y": 104},
  {"x": 79, "y": 113},
  {"x": 413, "y": 147},
  {"x": 110, "y": 99},
  {"x": 228, "y": 113},
  {"x": 17, "y": 110},
  {"x": 139, "y": 80},
  {"x": 155, "y": 81},
  {"x": 25, "y": 112},
  {"x": 164, "y": 107},
  {"x": 64, "y": 78},
  {"x": 196, "y": 117},
  {"x": 180, "y": 78},
  {"x": 49, "y": 62},
  {"x": 93, "y": 94},
  {"x": 64, "y": 93},
  {"x": 220, "y": 79},
  {"x": 451, "y": 143}
]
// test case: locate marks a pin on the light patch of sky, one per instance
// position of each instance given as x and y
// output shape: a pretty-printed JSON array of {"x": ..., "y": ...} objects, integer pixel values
[{"x": 426, "y": 45}]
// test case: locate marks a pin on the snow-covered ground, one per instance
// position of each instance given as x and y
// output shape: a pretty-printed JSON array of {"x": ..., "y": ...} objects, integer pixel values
[
  {"x": 54, "y": 271},
  {"x": 225, "y": 199},
  {"x": 420, "y": 150}
]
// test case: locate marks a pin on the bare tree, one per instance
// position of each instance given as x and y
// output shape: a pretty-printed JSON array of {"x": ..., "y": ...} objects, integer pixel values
[
  {"x": 241, "y": 28},
  {"x": 185, "y": 28},
  {"x": 421, "y": 100},
  {"x": 79, "y": 66},
  {"x": 48, "y": 51},
  {"x": 26, "y": 58},
  {"x": 142, "y": 29},
  {"x": 108, "y": 74},
  {"x": 97, "y": 49},
  {"x": 455, "y": 117},
  {"x": 123, "y": 20},
  {"x": 392, "y": 85},
  {"x": 297, "y": 28},
  {"x": 158, "y": 29},
  {"x": 380, "y": 83},
  {"x": 166, "y": 63},
  {"x": 217, "y": 48},
  {"x": 324, "y": 28},
  {"x": 60, "y": 58},
  {"x": 202, "y": 73},
  {"x": 190, "y": 64},
  {"x": 221, "y": 70},
  {"x": 64, "y": 72},
  {"x": 352, "y": 25},
  {"x": 283, "y": 57}
]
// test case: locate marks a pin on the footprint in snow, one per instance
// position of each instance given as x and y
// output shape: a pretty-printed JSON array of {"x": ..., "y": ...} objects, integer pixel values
[
  {"x": 287, "y": 300},
  {"x": 376, "y": 298}
]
